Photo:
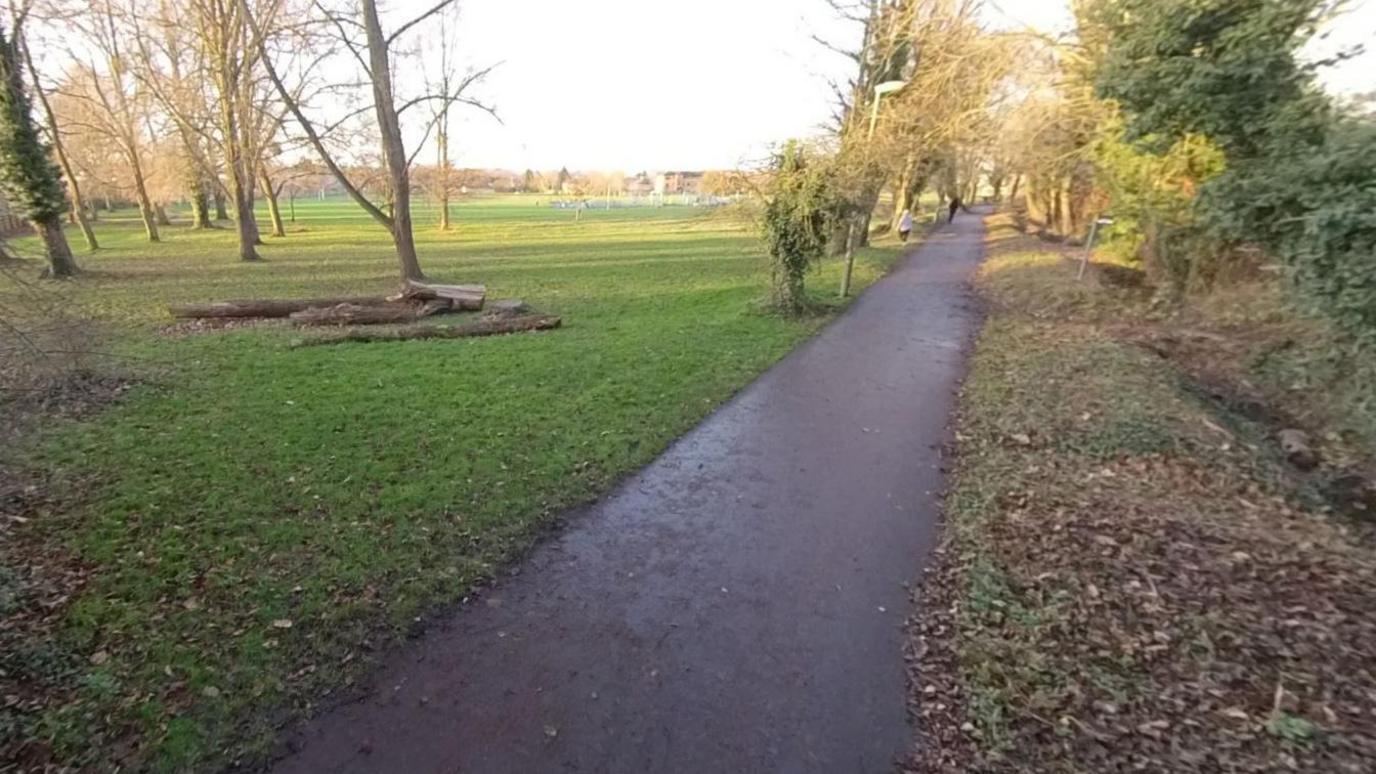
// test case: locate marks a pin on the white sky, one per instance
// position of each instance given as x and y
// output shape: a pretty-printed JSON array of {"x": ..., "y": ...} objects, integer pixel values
[{"x": 667, "y": 84}]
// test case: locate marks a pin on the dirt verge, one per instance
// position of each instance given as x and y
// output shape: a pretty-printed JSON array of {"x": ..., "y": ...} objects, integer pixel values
[{"x": 1134, "y": 577}]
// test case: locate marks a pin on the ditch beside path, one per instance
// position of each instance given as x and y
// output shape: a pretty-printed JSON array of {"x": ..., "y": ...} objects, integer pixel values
[{"x": 737, "y": 605}]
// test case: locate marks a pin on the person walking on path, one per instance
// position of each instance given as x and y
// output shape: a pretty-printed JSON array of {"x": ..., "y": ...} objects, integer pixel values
[
  {"x": 955, "y": 205},
  {"x": 905, "y": 226}
]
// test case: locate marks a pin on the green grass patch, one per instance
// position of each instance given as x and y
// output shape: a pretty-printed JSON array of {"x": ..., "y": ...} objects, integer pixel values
[{"x": 265, "y": 519}]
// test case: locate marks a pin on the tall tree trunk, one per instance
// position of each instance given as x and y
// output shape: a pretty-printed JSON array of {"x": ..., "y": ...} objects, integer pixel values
[
  {"x": 83, "y": 222},
  {"x": 200, "y": 202},
  {"x": 1033, "y": 200},
  {"x": 442, "y": 140},
  {"x": 252, "y": 199},
  {"x": 393, "y": 150},
  {"x": 244, "y": 222},
  {"x": 902, "y": 196},
  {"x": 274, "y": 213},
  {"x": 220, "y": 213},
  {"x": 1013, "y": 192},
  {"x": 150, "y": 219},
  {"x": 900, "y": 202},
  {"x": 869, "y": 199},
  {"x": 442, "y": 144},
  {"x": 60, "y": 261},
  {"x": 236, "y": 165},
  {"x": 129, "y": 139}
]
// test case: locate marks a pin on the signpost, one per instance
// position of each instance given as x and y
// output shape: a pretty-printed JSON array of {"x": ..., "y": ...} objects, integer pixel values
[{"x": 1089, "y": 245}]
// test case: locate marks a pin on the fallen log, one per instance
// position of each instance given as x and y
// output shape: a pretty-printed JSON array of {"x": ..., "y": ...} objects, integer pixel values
[
  {"x": 353, "y": 314},
  {"x": 491, "y": 326},
  {"x": 267, "y": 307},
  {"x": 506, "y": 307},
  {"x": 467, "y": 298}
]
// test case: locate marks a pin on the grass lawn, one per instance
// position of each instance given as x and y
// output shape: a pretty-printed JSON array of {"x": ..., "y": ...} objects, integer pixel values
[{"x": 251, "y": 524}]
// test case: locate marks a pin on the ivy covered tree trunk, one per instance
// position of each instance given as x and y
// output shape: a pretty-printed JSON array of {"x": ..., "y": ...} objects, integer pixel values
[
  {"x": 200, "y": 204},
  {"x": 220, "y": 213},
  {"x": 28, "y": 177},
  {"x": 197, "y": 191},
  {"x": 796, "y": 223}
]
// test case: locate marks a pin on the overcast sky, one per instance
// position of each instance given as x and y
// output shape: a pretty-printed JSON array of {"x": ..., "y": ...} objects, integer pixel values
[{"x": 665, "y": 84}]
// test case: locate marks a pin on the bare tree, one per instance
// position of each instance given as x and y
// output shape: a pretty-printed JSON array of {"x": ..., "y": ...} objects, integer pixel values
[
  {"x": 79, "y": 208},
  {"x": 201, "y": 62},
  {"x": 444, "y": 168},
  {"x": 115, "y": 100},
  {"x": 373, "y": 54},
  {"x": 948, "y": 66},
  {"x": 172, "y": 66},
  {"x": 222, "y": 29}
]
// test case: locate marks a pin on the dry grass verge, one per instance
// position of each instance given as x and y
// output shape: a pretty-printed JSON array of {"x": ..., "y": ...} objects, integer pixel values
[{"x": 1133, "y": 577}]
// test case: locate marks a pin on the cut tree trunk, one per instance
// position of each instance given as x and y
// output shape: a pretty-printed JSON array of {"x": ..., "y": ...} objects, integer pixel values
[
  {"x": 468, "y": 298},
  {"x": 487, "y": 326},
  {"x": 355, "y": 314},
  {"x": 257, "y": 307}
]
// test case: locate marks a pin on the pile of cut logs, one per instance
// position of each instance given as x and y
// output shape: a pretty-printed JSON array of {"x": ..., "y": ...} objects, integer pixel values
[{"x": 415, "y": 301}]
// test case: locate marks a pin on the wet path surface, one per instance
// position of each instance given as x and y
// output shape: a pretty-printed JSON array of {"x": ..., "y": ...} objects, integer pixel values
[{"x": 735, "y": 606}]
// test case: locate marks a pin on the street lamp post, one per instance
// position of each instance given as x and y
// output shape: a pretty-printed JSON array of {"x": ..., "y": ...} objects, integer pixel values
[{"x": 879, "y": 91}]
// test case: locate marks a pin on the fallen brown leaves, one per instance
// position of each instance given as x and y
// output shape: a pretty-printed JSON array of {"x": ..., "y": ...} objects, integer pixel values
[
  {"x": 37, "y": 586},
  {"x": 1178, "y": 619},
  {"x": 1176, "y": 606}
]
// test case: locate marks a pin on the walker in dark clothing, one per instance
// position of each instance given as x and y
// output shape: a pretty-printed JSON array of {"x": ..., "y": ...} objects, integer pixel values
[{"x": 955, "y": 205}]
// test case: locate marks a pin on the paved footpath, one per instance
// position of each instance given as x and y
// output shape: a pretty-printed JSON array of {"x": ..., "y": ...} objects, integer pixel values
[{"x": 737, "y": 606}]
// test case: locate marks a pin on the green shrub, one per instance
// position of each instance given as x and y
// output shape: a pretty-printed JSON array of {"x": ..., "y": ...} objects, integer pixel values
[
  {"x": 1300, "y": 181},
  {"x": 795, "y": 221}
]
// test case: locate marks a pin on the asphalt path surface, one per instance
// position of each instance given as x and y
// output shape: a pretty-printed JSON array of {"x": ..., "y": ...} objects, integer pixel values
[{"x": 736, "y": 606}]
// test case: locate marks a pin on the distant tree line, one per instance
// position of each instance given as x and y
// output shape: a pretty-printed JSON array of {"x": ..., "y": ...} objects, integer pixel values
[{"x": 1195, "y": 123}]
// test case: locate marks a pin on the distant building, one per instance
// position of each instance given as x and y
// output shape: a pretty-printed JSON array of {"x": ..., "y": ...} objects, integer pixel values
[
  {"x": 639, "y": 185},
  {"x": 671, "y": 183}
]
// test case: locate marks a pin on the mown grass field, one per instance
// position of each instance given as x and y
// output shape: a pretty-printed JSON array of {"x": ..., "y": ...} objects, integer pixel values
[{"x": 251, "y": 523}]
